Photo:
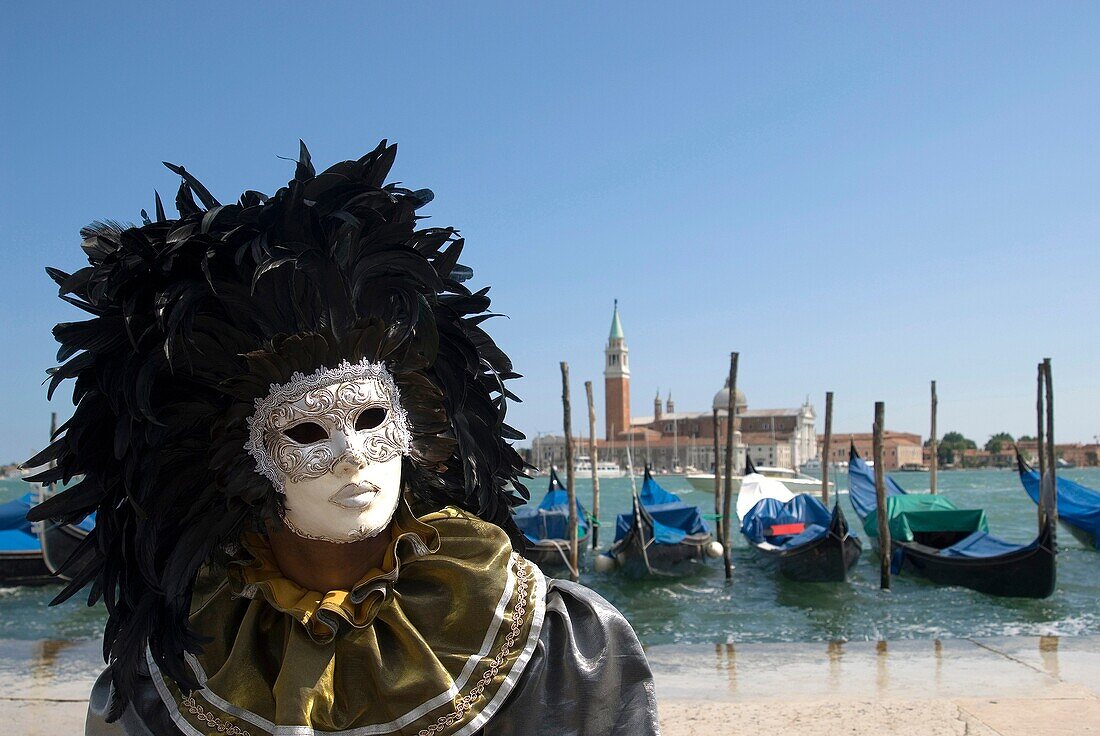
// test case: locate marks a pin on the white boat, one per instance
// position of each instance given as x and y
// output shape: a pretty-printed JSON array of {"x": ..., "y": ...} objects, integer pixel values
[
  {"x": 795, "y": 482},
  {"x": 582, "y": 468},
  {"x": 814, "y": 466}
]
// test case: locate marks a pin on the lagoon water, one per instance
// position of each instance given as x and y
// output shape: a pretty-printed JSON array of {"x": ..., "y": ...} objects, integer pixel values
[{"x": 758, "y": 606}]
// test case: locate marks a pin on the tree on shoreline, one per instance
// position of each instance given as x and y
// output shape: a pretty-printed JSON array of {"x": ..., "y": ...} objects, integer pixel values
[
  {"x": 952, "y": 444},
  {"x": 996, "y": 443}
]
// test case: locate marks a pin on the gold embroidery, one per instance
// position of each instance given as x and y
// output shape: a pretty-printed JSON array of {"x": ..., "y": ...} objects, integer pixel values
[
  {"x": 465, "y": 703},
  {"x": 210, "y": 720}
]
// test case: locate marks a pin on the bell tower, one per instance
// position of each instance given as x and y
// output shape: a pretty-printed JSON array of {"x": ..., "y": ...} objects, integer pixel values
[{"x": 616, "y": 379}]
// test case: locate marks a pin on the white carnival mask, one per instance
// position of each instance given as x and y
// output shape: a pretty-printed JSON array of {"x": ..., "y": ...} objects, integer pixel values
[{"x": 332, "y": 443}]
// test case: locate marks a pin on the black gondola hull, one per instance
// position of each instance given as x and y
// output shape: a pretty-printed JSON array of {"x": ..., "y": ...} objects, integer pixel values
[
  {"x": 1031, "y": 572},
  {"x": 660, "y": 560},
  {"x": 59, "y": 542},
  {"x": 552, "y": 555},
  {"x": 24, "y": 567},
  {"x": 638, "y": 554},
  {"x": 1087, "y": 538},
  {"x": 826, "y": 559}
]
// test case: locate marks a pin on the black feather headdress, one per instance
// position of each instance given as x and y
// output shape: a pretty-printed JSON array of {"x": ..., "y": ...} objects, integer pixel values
[{"x": 194, "y": 318}]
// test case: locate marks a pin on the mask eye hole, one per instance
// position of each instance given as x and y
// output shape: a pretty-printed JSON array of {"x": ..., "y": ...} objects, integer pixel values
[
  {"x": 306, "y": 433},
  {"x": 370, "y": 418}
]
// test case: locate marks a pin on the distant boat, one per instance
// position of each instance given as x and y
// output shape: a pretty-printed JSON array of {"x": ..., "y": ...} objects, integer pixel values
[
  {"x": 582, "y": 468},
  {"x": 932, "y": 538},
  {"x": 794, "y": 481},
  {"x": 21, "y": 559},
  {"x": 1078, "y": 505},
  {"x": 795, "y": 534},
  {"x": 814, "y": 466},
  {"x": 546, "y": 529},
  {"x": 661, "y": 535}
]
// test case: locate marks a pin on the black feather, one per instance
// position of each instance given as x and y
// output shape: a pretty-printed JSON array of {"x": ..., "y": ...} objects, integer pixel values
[{"x": 194, "y": 318}]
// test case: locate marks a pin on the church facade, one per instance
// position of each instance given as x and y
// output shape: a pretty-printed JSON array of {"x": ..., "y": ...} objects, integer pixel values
[{"x": 669, "y": 439}]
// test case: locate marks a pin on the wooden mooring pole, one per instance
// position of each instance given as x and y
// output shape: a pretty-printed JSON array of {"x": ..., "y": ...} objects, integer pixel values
[
  {"x": 880, "y": 496},
  {"x": 595, "y": 472},
  {"x": 569, "y": 472},
  {"x": 825, "y": 447},
  {"x": 934, "y": 462},
  {"x": 1040, "y": 449},
  {"x": 717, "y": 481},
  {"x": 1040, "y": 445},
  {"x": 1052, "y": 453},
  {"x": 727, "y": 496}
]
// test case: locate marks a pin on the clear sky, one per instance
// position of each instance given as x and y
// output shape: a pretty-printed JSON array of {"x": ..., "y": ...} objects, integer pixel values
[{"x": 857, "y": 197}]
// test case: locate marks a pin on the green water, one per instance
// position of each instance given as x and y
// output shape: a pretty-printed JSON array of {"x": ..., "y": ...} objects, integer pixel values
[{"x": 758, "y": 606}]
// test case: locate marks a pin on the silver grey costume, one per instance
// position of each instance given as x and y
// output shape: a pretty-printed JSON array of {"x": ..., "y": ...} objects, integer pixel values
[{"x": 588, "y": 676}]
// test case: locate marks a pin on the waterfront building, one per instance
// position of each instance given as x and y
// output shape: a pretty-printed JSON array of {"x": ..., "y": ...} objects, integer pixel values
[
  {"x": 1079, "y": 454},
  {"x": 669, "y": 439},
  {"x": 1074, "y": 453},
  {"x": 899, "y": 449}
]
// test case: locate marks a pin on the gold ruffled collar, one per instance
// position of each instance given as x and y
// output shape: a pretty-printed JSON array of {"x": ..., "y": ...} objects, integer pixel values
[
  {"x": 436, "y": 642},
  {"x": 322, "y": 612}
]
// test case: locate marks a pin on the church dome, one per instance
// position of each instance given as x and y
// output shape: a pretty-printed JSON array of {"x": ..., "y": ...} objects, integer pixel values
[{"x": 722, "y": 398}]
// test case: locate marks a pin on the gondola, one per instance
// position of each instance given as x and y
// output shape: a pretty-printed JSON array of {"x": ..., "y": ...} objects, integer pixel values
[
  {"x": 795, "y": 534},
  {"x": 21, "y": 558},
  {"x": 932, "y": 538},
  {"x": 60, "y": 542},
  {"x": 546, "y": 529},
  {"x": 661, "y": 535},
  {"x": 1078, "y": 505}
]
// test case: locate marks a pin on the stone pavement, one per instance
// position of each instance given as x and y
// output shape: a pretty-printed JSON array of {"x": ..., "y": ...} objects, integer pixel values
[
  {"x": 1024, "y": 686},
  {"x": 1033, "y": 686}
]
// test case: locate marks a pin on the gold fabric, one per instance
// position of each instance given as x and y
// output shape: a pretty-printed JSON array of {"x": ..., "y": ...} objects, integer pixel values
[
  {"x": 430, "y": 644},
  {"x": 321, "y": 613}
]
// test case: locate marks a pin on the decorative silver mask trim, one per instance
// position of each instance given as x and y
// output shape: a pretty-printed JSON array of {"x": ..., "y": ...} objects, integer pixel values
[{"x": 274, "y": 413}]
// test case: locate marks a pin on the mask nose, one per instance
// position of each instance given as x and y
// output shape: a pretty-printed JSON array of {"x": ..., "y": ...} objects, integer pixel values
[
  {"x": 349, "y": 463},
  {"x": 351, "y": 460}
]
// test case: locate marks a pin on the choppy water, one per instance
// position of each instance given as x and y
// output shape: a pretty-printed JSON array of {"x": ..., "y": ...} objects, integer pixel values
[{"x": 758, "y": 606}]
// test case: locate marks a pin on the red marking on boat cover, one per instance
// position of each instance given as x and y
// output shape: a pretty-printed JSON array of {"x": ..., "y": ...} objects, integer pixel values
[{"x": 782, "y": 530}]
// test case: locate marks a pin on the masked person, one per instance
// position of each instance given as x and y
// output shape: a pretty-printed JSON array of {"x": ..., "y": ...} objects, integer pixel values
[{"x": 291, "y": 426}]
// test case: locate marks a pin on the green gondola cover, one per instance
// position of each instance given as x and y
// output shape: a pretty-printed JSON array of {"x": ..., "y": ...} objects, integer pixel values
[{"x": 911, "y": 513}]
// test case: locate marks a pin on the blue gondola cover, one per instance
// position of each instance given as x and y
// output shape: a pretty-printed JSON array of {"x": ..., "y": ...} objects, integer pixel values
[
  {"x": 861, "y": 481},
  {"x": 803, "y": 508},
  {"x": 673, "y": 520},
  {"x": 653, "y": 495},
  {"x": 15, "y": 530},
  {"x": 982, "y": 544},
  {"x": 1078, "y": 505},
  {"x": 13, "y": 514},
  {"x": 550, "y": 519},
  {"x": 16, "y": 533}
]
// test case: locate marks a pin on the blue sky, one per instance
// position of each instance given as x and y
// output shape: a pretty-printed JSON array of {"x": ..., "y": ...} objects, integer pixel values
[{"x": 857, "y": 197}]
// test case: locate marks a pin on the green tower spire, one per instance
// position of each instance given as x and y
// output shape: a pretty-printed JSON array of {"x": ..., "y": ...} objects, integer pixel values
[{"x": 616, "y": 325}]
